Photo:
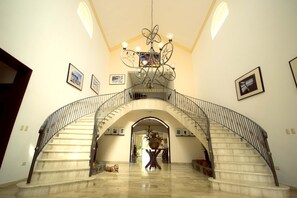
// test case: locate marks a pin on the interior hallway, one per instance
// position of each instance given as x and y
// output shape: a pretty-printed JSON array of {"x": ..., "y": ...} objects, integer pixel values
[{"x": 133, "y": 180}]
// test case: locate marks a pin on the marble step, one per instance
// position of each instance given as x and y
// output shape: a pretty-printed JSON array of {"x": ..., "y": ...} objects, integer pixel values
[
  {"x": 225, "y": 140},
  {"x": 84, "y": 126},
  {"x": 250, "y": 189},
  {"x": 68, "y": 147},
  {"x": 58, "y": 163},
  {"x": 235, "y": 151},
  {"x": 263, "y": 178},
  {"x": 71, "y": 140},
  {"x": 242, "y": 167},
  {"x": 77, "y": 134},
  {"x": 238, "y": 158},
  {"x": 46, "y": 176},
  {"x": 33, "y": 190},
  {"x": 234, "y": 145},
  {"x": 64, "y": 154},
  {"x": 222, "y": 135}
]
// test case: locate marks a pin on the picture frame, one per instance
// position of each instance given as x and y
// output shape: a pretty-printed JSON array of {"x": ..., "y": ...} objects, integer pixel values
[
  {"x": 121, "y": 131},
  {"x": 249, "y": 84},
  {"x": 145, "y": 59},
  {"x": 115, "y": 131},
  {"x": 186, "y": 132},
  {"x": 293, "y": 66},
  {"x": 75, "y": 77},
  {"x": 117, "y": 79},
  {"x": 95, "y": 84},
  {"x": 108, "y": 131},
  {"x": 178, "y": 132}
]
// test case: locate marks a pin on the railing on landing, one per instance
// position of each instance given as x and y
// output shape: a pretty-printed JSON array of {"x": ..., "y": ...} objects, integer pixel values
[
  {"x": 242, "y": 126},
  {"x": 138, "y": 92},
  {"x": 61, "y": 118}
]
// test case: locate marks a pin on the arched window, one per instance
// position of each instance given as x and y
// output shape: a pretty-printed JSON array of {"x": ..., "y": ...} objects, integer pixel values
[
  {"x": 219, "y": 18},
  {"x": 85, "y": 16}
]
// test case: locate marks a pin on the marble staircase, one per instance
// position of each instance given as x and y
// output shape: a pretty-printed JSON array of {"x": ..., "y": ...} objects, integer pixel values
[
  {"x": 239, "y": 168},
  {"x": 63, "y": 164}
]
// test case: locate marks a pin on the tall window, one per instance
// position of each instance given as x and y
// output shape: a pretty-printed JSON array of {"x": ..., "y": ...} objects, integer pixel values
[
  {"x": 219, "y": 18},
  {"x": 85, "y": 16}
]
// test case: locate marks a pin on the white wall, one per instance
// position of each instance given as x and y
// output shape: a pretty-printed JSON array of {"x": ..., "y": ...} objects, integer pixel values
[
  {"x": 256, "y": 33},
  {"x": 46, "y": 36},
  {"x": 117, "y": 148}
]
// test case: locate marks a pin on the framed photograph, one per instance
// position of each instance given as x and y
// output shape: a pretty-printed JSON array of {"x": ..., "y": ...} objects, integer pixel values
[
  {"x": 293, "y": 65},
  {"x": 117, "y": 79},
  {"x": 249, "y": 84},
  {"x": 122, "y": 131},
  {"x": 115, "y": 131},
  {"x": 95, "y": 84},
  {"x": 108, "y": 131},
  {"x": 75, "y": 77},
  {"x": 186, "y": 132},
  {"x": 145, "y": 59},
  {"x": 178, "y": 132}
]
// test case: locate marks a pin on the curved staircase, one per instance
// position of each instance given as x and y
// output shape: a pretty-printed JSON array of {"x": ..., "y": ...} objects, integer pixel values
[
  {"x": 239, "y": 168},
  {"x": 63, "y": 164}
]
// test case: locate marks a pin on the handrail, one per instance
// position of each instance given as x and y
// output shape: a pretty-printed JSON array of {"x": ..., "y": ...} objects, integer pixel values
[
  {"x": 247, "y": 129},
  {"x": 163, "y": 93},
  {"x": 61, "y": 118}
]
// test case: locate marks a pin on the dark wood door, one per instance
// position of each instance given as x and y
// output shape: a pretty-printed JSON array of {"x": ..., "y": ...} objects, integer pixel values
[{"x": 14, "y": 78}]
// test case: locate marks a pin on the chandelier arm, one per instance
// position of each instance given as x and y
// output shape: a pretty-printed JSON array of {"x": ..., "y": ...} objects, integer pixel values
[
  {"x": 166, "y": 52},
  {"x": 130, "y": 58}
]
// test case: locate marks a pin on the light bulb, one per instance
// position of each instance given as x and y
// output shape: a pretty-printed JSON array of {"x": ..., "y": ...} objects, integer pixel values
[
  {"x": 137, "y": 49},
  {"x": 160, "y": 45},
  {"x": 170, "y": 36},
  {"x": 125, "y": 45}
]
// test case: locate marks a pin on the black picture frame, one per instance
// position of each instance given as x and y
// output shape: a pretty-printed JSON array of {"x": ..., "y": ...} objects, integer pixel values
[
  {"x": 293, "y": 66},
  {"x": 117, "y": 79},
  {"x": 249, "y": 84},
  {"x": 75, "y": 77},
  {"x": 95, "y": 84}
]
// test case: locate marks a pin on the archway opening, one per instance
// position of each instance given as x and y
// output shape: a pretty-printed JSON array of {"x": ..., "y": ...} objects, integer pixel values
[{"x": 139, "y": 143}]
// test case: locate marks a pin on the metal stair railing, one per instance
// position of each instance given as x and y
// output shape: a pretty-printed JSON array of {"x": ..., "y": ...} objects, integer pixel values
[
  {"x": 247, "y": 129},
  {"x": 178, "y": 100},
  {"x": 61, "y": 118}
]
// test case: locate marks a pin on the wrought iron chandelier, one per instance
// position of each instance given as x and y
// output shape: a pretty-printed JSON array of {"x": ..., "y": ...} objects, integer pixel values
[{"x": 152, "y": 66}]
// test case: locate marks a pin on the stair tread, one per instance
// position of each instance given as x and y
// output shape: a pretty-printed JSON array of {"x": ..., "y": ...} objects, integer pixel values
[
  {"x": 57, "y": 160},
  {"x": 65, "y": 151},
  {"x": 239, "y": 155},
  {"x": 51, "y": 183},
  {"x": 242, "y": 163},
  {"x": 68, "y": 144},
  {"x": 61, "y": 169},
  {"x": 72, "y": 138},
  {"x": 249, "y": 184},
  {"x": 244, "y": 172},
  {"x": 241, "y": 148}
]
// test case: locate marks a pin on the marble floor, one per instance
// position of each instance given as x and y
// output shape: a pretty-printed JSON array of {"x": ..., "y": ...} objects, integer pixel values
[{"x": 133, "y": 180}]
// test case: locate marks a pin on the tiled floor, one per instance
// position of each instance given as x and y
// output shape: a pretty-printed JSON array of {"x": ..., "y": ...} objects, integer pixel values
[{"x": 175, "y": 180}]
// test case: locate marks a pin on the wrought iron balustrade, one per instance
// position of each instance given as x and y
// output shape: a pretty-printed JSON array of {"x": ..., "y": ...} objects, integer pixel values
[
  {"x": 247, "y": 129},
  {"x": 61, "y": 118}
]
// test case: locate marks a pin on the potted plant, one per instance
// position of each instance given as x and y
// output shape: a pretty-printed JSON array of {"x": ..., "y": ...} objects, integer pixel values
[{"x": 154, "y": 139}]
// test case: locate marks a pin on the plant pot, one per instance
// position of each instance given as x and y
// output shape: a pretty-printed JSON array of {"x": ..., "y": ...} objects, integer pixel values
[{"x": 154, "y": 143}]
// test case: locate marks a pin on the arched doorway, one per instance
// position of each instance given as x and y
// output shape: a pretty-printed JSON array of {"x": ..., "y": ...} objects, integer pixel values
[{"x": 139, "y": 144}]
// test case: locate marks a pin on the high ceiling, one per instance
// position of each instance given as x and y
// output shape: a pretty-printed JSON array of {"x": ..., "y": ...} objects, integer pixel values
[{"x": 122, "y": 20}]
